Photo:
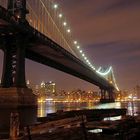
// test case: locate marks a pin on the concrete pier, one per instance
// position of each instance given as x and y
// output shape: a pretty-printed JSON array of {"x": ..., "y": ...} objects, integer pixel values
[{"x": 17, "y": 100}]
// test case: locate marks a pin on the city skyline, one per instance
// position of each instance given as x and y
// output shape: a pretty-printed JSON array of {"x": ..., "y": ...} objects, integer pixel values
[{"x": 109, "y": 33}]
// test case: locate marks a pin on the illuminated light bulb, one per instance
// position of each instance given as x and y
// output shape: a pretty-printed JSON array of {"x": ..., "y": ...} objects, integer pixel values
[
  {"x": 68, "y": 30},
  {"x": 80, "y": 51},
  {"x": 78, "y": 47},
  {"x": 28, "y": 82},
  {"x": 75, "y": 42},
  {"x": 83, "y": 54},
  {"x": 64, "y": 23},
  {"x": 18, "y": 16},
  {"x": 55, "y": 6},
  {"x": 93, "y": 67},
  {"x": 85, "y": 58},
  {"x": 60, "y": 15}
]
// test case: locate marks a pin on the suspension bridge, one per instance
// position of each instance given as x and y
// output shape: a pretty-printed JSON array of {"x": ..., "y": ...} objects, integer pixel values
[{"x": 38, "y": 30}]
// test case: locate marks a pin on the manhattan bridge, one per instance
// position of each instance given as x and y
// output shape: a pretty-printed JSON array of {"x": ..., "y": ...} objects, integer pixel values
[{"x": 38, "y": 30}]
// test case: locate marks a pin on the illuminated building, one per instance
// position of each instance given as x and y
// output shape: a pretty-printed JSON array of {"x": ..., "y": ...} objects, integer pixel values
[
  {"x": 47, "y": 88},
  {"x": 50, "y": 87}
]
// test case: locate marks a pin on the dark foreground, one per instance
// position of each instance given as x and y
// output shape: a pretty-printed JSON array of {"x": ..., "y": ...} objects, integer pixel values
[
  {"x": 82, "y": 125},
  {"x": 128, "y": 128}
]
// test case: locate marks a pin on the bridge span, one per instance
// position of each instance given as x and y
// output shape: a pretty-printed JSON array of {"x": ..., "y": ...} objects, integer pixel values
[
  {"x": 42, "y": 49},
  {"x": 20, "y": 40}
]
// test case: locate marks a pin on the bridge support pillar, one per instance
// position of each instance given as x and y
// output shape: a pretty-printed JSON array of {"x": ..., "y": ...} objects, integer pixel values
[
  {"x": 107, "y": 95},
  {"x": 7, "y": 79},
  {"x": 17, "y": 100},
  {"x": 14, "y": 64},
  {"x": 14, "y": 94}
]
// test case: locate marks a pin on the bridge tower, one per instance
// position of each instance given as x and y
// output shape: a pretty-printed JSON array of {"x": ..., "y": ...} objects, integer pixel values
[
  {"x": 14, "y": 49},
  {"x": 15, "y": 96},
  {"x": 107, "y": 95},
  {"x": 18, "y": 8}
]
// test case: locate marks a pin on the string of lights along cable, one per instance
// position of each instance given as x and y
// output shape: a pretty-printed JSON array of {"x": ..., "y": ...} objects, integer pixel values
[{"x": 47, "y": 17}]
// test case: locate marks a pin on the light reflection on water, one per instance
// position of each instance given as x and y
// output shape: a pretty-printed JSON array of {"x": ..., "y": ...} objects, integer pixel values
[
  {"x": 133, "y": 108},
  {"x": 44, "y": 108},
  {"x": 108, "y": 105}
]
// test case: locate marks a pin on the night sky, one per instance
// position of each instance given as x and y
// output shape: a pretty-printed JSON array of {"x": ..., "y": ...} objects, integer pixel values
[{"x": 109, "y": 34}]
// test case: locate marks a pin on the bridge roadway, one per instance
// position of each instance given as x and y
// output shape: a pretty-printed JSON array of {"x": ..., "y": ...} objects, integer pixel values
[{"x": 43, "y": 50}]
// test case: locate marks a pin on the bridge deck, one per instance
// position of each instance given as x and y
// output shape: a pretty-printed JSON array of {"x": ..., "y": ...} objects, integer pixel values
[{"x": 43, "y": 50}]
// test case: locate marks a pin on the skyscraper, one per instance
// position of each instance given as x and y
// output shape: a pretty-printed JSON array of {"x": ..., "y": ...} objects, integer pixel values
[
  {"x": 47, "y": 88},
  {"x": 50, "y": 87}
]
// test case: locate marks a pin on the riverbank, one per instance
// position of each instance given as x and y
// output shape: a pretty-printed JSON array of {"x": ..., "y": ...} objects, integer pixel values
[
  {"x": 78, "y": 128},
  {"x": 84, "y": 124},
  {"x": 91, "y": 114}
]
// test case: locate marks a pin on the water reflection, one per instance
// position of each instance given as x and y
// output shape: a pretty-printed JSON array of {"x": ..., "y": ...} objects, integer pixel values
[
  {"x": 109, "y": 105},
  {"x": 44, "y": 108},
  {"x": 132, "y": 108},
  {"x": 113, "y": 118},
  {"x": 96, "y": 131}
]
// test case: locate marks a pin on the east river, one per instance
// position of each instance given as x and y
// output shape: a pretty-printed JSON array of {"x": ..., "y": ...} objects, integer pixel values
[{"x": 44, "y": 108}]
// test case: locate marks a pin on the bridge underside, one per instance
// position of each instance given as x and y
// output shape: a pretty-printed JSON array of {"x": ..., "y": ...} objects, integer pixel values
[
  {"x": 59, "y": 59},
  {"x": 43, "y": 50},
  {"x": 52, "y": 55}
]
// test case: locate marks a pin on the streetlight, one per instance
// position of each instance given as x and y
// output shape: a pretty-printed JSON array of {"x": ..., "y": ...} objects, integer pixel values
[
  {"x": 75, "y": 42},
  {"x": 55, "y": 6},
  {"x": 64, "y": 23},
  {"x": 68, "y": 30},
  {"x": 60, "y": 15},
  {"x": 78, "y": 47}
]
